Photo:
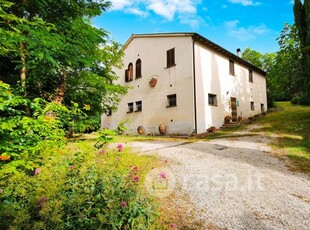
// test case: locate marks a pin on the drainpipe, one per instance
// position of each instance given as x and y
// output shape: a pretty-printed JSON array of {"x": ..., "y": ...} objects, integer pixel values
[{"x": 194, "y": 81}]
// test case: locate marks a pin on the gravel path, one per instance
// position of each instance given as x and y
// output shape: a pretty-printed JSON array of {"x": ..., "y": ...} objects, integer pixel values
[{"x": 235, "y": 183}]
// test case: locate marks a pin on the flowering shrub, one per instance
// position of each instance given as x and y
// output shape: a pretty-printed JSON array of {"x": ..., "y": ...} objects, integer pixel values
[
  {"x": 24, "y": 126},
  {"x": 76, "y": 187}
]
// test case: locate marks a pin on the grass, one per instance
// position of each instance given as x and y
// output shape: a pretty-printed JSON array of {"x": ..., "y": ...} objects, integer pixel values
[{"x": 291, "y": 124}]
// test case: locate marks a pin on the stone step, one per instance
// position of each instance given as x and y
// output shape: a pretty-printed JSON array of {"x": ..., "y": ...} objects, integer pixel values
[{"x": 231, "y": 125}]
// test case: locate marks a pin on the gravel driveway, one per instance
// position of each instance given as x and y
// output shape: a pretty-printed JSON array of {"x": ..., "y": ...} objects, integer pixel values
[{"x": 235, "y": 183}]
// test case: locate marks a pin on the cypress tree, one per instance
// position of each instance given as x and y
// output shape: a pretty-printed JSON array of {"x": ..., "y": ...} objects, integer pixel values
[{"x": 302, "y": 22}]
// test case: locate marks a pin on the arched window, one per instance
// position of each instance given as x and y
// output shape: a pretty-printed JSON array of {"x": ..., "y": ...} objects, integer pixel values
[
  {"x": 138, "y": 68},
  {"x": 129, "y": 73}
]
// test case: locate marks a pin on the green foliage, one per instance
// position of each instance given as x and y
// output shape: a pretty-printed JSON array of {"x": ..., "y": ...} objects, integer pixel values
[
  {"x": 285, "y": 71},
  {"x": 285, "y": 76},
  {"x": 253, "y": 57},
  {"x": 105, "y": 136},
  {"x": 77, "y": 188},
  {"x": 23, "y": 127},
  {"x": 301, "y": 100},
  {"x": 26, "y": 125},
  {"x": 63, "y": 51},
  {"x": 121, "y": 128}
]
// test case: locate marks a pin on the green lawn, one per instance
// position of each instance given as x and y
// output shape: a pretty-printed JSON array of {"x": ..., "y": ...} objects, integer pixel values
[{"x": 291, "y": 123}]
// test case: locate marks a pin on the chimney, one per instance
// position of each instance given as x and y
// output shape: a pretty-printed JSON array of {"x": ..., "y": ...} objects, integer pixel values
[{"x": 239, "y": 52}]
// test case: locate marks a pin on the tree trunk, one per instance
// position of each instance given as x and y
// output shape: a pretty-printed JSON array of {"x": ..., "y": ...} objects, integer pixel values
[
  {"x": 23, "y": 70},
  {"x": 62, "y": 88}
]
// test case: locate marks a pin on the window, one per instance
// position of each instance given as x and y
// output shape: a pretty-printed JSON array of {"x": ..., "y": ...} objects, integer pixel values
[
  {"x": 212, "y": 99},
  {"x": 170, "y": 58},
  {"x": 252, "y": 106},
  {"x": 138, "y": 106},
  {"x": 172, "y": 100},
  {"x": 109, "y": 112},
  {"x": 129, "y": 73},
  {"x": 250, "y": 75},
  {"x": 138, "y": 68},
  {"x": 231, "y": 67},
  {"x": 130, "y": 107},
  {"x": 262, "y": 107}
]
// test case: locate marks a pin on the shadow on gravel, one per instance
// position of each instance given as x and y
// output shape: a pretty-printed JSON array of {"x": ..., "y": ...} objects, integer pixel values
[{"x": 257, "y": 158}]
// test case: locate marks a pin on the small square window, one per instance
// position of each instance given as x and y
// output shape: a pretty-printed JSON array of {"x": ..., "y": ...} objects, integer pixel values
[
  {"x": 252, "y": 106},
  {"x": 109, "y": 112},
  {"x": 170, "y": 58},
  {"x": 212, "y": 99},
  {"x": 138, "y": 106},
  {"x": 231, "y": 67},
  {"x": 262, "y": 108},
  {"x": 250, "y": 75},
  {"x": 130, "y": 107},
  {"x": 172, "y": 100}
]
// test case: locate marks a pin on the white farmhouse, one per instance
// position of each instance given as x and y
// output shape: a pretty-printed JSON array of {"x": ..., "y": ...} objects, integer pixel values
[{"x": 186, "y": 83}]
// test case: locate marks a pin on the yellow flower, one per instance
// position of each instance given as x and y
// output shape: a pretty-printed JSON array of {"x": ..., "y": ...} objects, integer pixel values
[{"x": 87, "y": 107}]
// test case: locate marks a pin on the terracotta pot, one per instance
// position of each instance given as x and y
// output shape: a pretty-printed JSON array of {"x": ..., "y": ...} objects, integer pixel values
[
  {"x": 162, "y": 129},
  {"x": 153, "y": 82},
  {"x": 140, "y": 130}
]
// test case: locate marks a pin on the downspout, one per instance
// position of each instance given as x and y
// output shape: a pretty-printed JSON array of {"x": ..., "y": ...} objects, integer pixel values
[{"x": 194, "y": 81}]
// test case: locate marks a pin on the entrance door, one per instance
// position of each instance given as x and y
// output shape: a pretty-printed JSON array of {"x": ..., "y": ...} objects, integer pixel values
[{"x": 233, "y": 104}]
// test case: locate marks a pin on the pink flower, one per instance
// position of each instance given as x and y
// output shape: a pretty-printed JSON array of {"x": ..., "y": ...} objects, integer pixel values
[
  {"x": 37, "y": 171},
  {"x": 1, "y": 190},
  {"x": 71, "y": 166},
  {"x": 136, "y": 168},
  {"x": 124, "y": 204},
  {"x": 136, "y": 179},
  {"x": 172, "y": 226},
  {"x": 120, "y": 147},
  {"x": 163, "y": 175}
]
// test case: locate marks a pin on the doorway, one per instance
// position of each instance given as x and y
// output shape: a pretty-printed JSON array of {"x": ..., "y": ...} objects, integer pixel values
[{"x": 233, "y": 104}]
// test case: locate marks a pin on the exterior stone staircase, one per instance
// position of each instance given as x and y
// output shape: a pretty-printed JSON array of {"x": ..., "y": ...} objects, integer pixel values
[{"x": 230, "y": 125}]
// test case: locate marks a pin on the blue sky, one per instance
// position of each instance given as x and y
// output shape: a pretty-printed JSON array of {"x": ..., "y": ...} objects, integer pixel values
[{"x": 230, "y": 23}]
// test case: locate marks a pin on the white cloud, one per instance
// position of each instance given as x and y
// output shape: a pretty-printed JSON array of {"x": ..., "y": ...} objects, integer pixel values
[
  {"x": 120, "y": 4},
  {"x": 245, "y": 2},
  {"x": 163, "y": 9},
  {"x": 193, "y": 21},
  {"x": 244, "y": 33},
  {"x": 232, "y": 24},
  {"x": 137, "y": 11},
  {"x": 167, "y": 9}
]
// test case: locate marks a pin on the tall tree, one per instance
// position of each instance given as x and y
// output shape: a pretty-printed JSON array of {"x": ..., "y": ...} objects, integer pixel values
[
  {"x": 58, "y": 52},
  {"x": 302, "y": 22}
]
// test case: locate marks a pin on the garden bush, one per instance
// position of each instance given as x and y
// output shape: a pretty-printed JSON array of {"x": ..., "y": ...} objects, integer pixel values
[
  {"x": 48, "y": 182},
  {"x": 76, "y": 187}
]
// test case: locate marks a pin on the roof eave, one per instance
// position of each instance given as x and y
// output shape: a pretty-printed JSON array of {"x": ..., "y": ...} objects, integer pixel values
[{"x": 234, "y": 57}]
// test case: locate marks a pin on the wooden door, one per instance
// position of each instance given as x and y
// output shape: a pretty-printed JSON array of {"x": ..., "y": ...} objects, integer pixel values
[{"x": 233, "y": 104}]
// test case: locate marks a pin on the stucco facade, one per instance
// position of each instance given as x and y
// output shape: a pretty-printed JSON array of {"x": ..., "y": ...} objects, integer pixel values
[{"x": 190, "y": 72}]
